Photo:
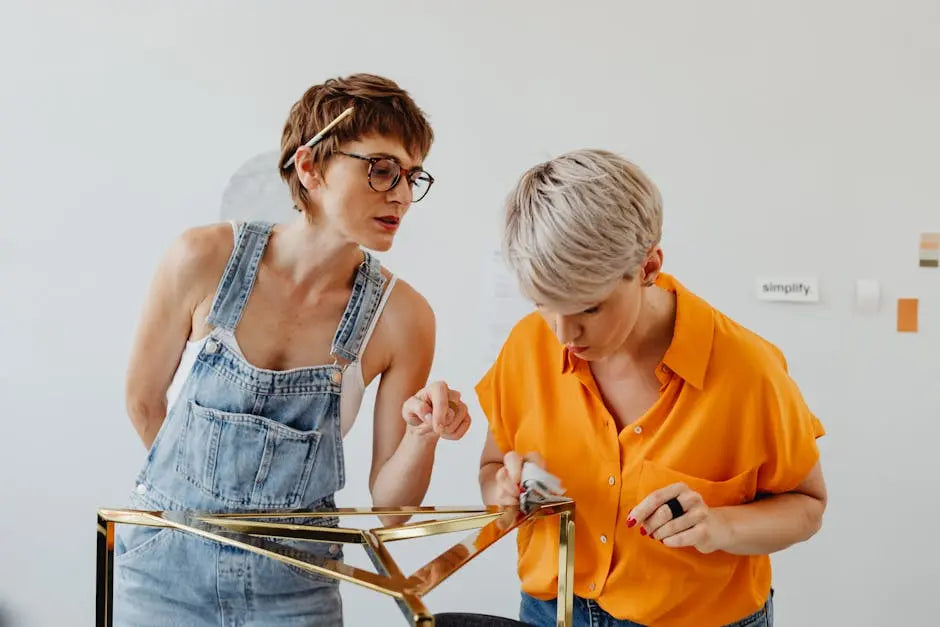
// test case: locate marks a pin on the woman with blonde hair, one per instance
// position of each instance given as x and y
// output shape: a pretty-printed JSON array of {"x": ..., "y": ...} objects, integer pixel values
[{"x": 688, "y": 449}]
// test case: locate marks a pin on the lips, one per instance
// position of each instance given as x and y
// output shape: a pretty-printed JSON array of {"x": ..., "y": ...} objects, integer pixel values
[
  {"x": 577, "y": 349},
  {"x": 388, "y": 223}
]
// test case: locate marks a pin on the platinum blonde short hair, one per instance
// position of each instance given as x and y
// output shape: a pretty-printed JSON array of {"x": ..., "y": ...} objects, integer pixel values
[{"x": 578, "y": 223}]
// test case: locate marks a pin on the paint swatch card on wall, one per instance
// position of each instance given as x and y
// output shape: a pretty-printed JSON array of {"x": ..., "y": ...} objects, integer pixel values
[
  {"x": 907, "y": 315},
  {"x": 929, "y": 250}
]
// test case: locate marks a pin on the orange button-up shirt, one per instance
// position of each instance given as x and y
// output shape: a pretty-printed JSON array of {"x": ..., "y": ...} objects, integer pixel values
[{"x": 729, "y": 422}]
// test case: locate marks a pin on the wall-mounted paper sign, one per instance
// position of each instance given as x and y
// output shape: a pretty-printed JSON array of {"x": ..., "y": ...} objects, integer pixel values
[{"x": 795, "y": 290}]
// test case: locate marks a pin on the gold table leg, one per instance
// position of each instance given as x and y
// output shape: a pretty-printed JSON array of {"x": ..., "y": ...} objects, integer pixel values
[
  {"x": 565, "y": 599},
  {"x": 105, "y": 573}
]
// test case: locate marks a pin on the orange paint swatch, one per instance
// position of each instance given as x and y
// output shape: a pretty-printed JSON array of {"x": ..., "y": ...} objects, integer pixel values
[{"x": 907, "y": 315}]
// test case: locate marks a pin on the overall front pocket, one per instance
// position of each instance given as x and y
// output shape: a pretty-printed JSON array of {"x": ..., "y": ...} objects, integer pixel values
[{"x": 246, "y": 461}]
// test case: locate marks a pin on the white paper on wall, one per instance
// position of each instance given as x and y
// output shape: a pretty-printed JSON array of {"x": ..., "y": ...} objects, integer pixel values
[
  {"x": 256, "y": 192},
  {"x": 503, "y": 303},
  {"x": 867, "y": 295}
]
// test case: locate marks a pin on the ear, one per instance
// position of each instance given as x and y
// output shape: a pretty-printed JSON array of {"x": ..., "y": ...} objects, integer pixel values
[
  {"x": 307, "y": 170},
  {"x": 652, "y": 266}
]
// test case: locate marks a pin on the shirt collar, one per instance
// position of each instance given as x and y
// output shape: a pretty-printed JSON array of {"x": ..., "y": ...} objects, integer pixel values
[{"x": 691, "y": 347}]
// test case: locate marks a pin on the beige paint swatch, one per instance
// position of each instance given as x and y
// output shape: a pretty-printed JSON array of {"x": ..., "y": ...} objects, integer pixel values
[{"x": 929, "y": 250}]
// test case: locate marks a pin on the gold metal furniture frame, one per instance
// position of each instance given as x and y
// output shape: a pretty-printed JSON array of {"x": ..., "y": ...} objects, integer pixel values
[{"x": 257, "y": 531}]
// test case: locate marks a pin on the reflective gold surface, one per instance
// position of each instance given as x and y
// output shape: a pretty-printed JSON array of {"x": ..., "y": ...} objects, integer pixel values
[{"x": 257, "y": 532}]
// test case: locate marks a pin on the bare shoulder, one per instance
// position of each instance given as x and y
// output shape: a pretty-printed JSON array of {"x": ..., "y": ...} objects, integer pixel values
[
  {"x": 197, "y": 258},
  {"x": 404, "y": 332},
  {"x": 407, "y": 311},
  {"x": 202, "y": 246}
]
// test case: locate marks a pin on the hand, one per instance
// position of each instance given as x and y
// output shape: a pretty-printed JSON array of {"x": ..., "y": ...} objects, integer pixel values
[
  {"x": 509, "y": 477},
  {"x": 437, "y": 409},
  {"x": 699, "y": 526}
]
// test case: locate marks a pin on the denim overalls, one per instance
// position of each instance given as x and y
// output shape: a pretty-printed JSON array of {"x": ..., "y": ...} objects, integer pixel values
[{"x": 241, "y": 439}]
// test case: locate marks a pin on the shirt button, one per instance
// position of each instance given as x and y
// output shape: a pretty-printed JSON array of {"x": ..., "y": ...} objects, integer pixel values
[
  {"x": 141, "y": 488},
  {"x": 638, "y": 429},
  {"x": 592, "y": 587},
  {"x": 611, "y": 480},
  {"x": 603, "y": 539},
  {"x": 212, "y": 347}
]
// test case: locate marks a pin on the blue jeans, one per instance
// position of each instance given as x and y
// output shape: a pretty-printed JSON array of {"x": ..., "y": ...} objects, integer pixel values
[{"x": 588, "y": 613}]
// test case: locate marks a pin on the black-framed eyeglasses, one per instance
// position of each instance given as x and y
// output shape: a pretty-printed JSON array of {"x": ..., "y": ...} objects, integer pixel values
[{"x": 385, "y": 173}]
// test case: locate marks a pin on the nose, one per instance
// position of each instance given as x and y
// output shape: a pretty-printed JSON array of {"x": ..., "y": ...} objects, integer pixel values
[
  {"x": 402, "y": 192},
  {"x": 567, "y": 330}
]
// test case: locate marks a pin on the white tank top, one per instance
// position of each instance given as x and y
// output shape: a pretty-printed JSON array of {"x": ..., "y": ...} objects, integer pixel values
[{"x": 353, "y": 386}]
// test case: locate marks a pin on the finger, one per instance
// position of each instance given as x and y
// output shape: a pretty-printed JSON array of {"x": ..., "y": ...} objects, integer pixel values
[
  {"x": 462, "y": 431},
  {"x": 690, "y": 537},
  {"x": 449, "y": 432},
  {"x": 641, "y": 513},
  {"x": 506, "y": 484},
  {"x": 675, "y": 526},
  {"x": 513, "y": 464},
  {"x": 455, "y": 408},
  {"x": 659, "y": 518},
  {"x": 415, "y": 409},
  {"x": 458, "y": 415},
  {"x": 454, "y": 415},
  {"x": 688, "y": 500},
  {"x": 507, "y": 491},
  {"x": 536, "y": 459},
  {"x": 437, "y": 392},
  {"x": 412, "y": 405},
  {"x": 505, "y": 498},
  {"x": 504, "y": 481},
  {"x": 458, "y": 430}
]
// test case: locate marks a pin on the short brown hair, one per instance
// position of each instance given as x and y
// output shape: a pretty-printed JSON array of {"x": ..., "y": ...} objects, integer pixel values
[{"x": 381, "y": 107}]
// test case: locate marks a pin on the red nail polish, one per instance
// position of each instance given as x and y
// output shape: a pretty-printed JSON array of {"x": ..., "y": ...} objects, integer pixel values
[
  {"x": 631, "y": 522},
  {"x": 642, "y": 531}
]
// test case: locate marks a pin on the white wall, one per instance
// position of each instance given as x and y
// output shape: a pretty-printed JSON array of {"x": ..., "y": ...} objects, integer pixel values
[{"x": 796, "y": 137}]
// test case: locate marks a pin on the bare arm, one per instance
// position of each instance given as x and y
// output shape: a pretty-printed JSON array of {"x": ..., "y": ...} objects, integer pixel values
[
  {"x": 776, "y": 522},
  {"x": 178, "y": 287},
  {"x": 403, "y": 454},
  {"x": 492, "y": 474},
  {"x": 765, "y": 526}
]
